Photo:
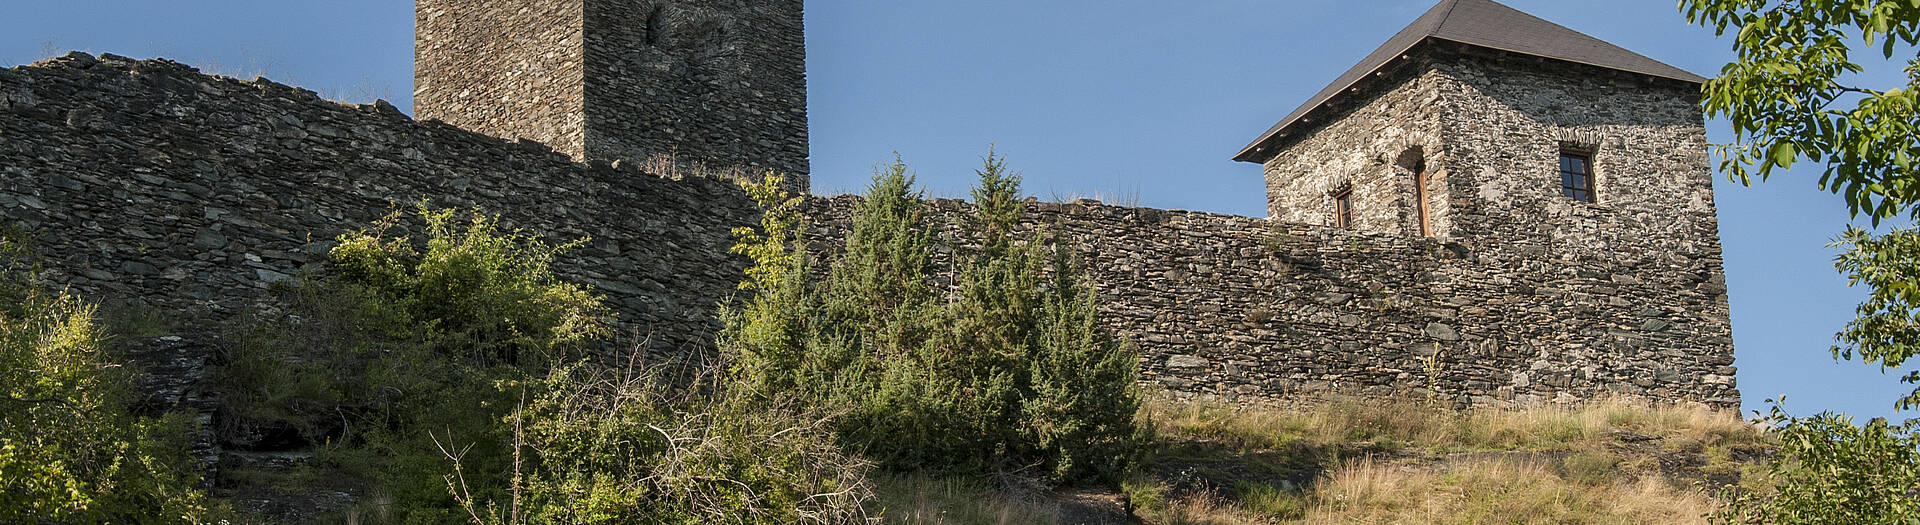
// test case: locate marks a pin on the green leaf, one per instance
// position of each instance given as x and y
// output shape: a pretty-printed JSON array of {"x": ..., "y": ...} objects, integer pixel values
[{"x": 1783, "y": 154}]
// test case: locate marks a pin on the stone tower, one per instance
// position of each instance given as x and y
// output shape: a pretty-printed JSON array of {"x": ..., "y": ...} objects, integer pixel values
[
  {"x": 1568, "y": 176},
  {"x": 1480, "y": 123},
  {"x": 716, "y": 82}
]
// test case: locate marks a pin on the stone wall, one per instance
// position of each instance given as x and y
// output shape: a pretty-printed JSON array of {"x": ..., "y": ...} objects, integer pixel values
[
  {"x": 721, "y": 82},
  {"x": 509, "y": 69},
  {"x": 1628, "y": 291},
  {"x": 1636, "y": 275},
  {"x": 144, "y": 179},
  {"x": 1251, "y": 308}
]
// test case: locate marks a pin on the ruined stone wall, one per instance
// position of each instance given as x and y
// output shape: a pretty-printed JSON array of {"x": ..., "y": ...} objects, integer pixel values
[
  {"x": 1369, "y": 145},
  {"x": 722, "y": 82},
  {"x": 1251, "y": 308},
  {"x": 509, "y": 69},
  {"x": 146, "y": 180}
]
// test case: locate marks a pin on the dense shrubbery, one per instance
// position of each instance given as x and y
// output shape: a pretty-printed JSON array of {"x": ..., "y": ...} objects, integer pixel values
[
  {"x": 1003, "y": 369},
  {"x": 1832, "y": 471},
  {"x": 607, "y": 446},
  {"x": 457, "y": 379},
  {"x": 471, "y": 358},
  {"x": 70, "y": 449},
  {"x": 397, "y": 342}
]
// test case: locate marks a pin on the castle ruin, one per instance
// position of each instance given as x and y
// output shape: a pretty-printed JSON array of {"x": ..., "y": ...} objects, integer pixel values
[{"x": 1491, "y": 208}]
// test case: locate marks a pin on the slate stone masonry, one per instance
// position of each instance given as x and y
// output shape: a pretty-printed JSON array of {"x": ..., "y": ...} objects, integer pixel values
[
  {"x": 1251, "y": 308},
  {"x": 1370, "y": 151},
  {"x": 1614, "y": 275},
  {"x": 718, "y": 83},
  {"x": 513, "y": 70},
  {"x": 722, "y": 82},
  {"x": 147, "y": 180}
]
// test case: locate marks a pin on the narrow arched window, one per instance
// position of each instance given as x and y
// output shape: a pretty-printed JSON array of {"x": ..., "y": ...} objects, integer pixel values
[
  {"x": 1420, "y": 206},
  {"x": 1343, "y": 209}
]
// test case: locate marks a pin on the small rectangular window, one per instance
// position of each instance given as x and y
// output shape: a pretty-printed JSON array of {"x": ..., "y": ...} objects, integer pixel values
[
  {"x": 1343, "y": 209},
  {"x": 1576, "y": 175}
]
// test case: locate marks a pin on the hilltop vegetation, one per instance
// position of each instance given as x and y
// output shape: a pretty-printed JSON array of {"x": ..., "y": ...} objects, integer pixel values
[
  {"x": 464, "y": 382},
  {"x": 452, "y": 377}
]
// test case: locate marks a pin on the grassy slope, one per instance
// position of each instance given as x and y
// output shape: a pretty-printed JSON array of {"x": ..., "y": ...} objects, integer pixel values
[{"x": 1355, "y": 461}]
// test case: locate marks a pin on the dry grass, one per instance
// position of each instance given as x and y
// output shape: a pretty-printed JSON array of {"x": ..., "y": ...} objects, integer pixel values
[
  {"x": 674, "y": 166},
  {"x": 1120, "y": 195},
  {"x": 1409, "y": 423},
  {"x": 1405, "y": 462},
  {"x": 1472, "y": 491},
  {"x": 1388, "y": 462},
  {"x": 1484, "y": 491},
  {"x": 1205, "y": 510},
  {"x": 929, "y": 500}
]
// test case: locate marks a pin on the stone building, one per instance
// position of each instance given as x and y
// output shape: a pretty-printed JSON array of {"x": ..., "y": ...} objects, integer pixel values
[
  {"x": 1481, "y": 121},
  {"x": 716, "y": 82}
]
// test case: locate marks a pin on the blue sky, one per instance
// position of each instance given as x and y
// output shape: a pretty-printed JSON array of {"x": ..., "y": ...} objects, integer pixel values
[{"x": 1118, "y": 99}]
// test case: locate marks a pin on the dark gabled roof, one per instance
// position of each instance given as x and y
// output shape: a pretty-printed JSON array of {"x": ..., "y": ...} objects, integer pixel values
[{"x": 1487, "y": 24}]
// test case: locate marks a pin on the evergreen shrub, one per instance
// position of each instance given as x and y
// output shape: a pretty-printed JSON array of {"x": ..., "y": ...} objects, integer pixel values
[{"x": 992, "y": 361}]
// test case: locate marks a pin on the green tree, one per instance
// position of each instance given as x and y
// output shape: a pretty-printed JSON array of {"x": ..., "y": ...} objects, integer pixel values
[
  {"x": 1787, "y": 95},
  {"x": 477, "y": 389},
  {"x": 767, "y": 334},
  {"x": 1831, "y": 471},
  {"x": 486, "y": 295},
  {"x": 1005, "y": 368},
  {"x": 1791, "y": 94},
  {"x": 407, "y": 341},
  {"x": 1050, "y": 384},
  {"x": 71, "y": 450},
  {"x": 1886, "y": 328},
  {"x": 995, "y": 318},
  {"x": 860, "y": 341},
  {"x": 1084, "y": 395},
  {"x": 595, "y": 444},
  {"x": 877, "y": 328}
]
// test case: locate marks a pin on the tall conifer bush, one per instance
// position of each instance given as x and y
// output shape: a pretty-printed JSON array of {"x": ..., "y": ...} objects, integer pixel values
[
  {"x": 1084, "y": 394},
  {"x": 996, "y": 315},
  {"x": 1004, "y": 369}
]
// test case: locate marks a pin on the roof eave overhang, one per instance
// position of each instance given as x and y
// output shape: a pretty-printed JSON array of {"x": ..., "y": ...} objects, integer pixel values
[
  {"x": 1253, "y": 151},
  {"x": 1257, "y": 151}
]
